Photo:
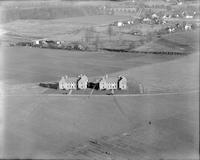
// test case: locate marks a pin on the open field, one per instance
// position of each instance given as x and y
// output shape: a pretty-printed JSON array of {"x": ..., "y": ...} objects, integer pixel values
[
  {"x": 22, "y": 65},
  {"x": 36, "y": 126},
  {"x": 12, "y": 10},
  {"x": 173, "y": 76},
  {"x": 68, "y": 29},
  {"x": 157, "y": 73}
]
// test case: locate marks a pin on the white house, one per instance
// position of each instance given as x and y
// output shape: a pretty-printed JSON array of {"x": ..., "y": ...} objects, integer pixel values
[
  {"x": 171, "y": 30},
  {"x": 154, "y": 15},
  {"x": 108, "y": 83},
  {"x": 188, "y": 27},
  {"x": 146, "y": 20},
  {"x": 69, "y": 83},
  {"x": 113, "y": 83},
  {"x": 120, "y": 24},
  {"x": 179, "y": 3},
  {"x": 188, "y": 16},
  {"x": 61, "y": 83},
  {"x": 38, "y": 41},
  {"x": 166, "y": 16}
]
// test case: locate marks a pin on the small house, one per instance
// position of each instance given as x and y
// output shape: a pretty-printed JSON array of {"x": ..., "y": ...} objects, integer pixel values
[
  {"x": 170, "y": 29},
  {"x": 188, "y": 16},
  {"x": 179, "y": 3},
  {"x": 120, "y": 24},
  {"x": 166, "y": 16},
  {"x": 188, "y": 27},
  {"x": 154, "y": 16},
  {"x": 146, "y": 19},
  {"x": 38, "y": 42}
]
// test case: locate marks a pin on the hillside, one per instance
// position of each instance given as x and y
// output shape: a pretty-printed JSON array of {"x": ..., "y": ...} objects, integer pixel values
[
  {"x": 173, "y": 76},
  {"x": 175, "y": 42}
]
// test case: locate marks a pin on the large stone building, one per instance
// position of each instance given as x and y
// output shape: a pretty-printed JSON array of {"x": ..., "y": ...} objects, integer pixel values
[
  {"x": 71, "y": 83},
  {"x": 113, "y": 83}
]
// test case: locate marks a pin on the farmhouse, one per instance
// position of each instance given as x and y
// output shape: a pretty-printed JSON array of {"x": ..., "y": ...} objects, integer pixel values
[
  {"x": 120, "y": 24},
  {"x": 188, "y": 27},
  {"x": 179, "y": 3},
  {"x": 46, "y": 43},
  {"x": 76, "y": 46},
  {"x": 108, "y": 83},
  {"x": 70, "y": 83},
  {"x": 188, "y": 16},
  {"x": 113, "y": 83},
  {"x": 154, "y": 16},
  {"x": 170, "y": 29},
  {"x": 38, "y": 42},
  {"x": 166, "y": 16}
]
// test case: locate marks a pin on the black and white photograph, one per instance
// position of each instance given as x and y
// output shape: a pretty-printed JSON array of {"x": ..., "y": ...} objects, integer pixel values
[{"x": 99, "y": 79}]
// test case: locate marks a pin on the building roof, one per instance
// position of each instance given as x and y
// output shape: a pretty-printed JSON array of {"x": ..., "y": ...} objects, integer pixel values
[
  {"x": 83, "y": 76},
  {"x": 67, "y": 79},
  {"x": 122, "y": 78},
  {"x": 113, "y": 79},
  {"x": 110, "y": 79},
  {"x": 71, "y": 79}
]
